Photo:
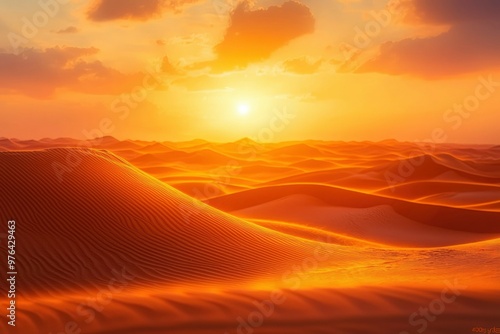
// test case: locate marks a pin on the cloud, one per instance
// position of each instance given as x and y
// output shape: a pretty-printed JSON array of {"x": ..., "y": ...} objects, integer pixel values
[
  {"x": 39, "y": 73},
  {"x": 135, "y": 10},
  {"x": 470, "y": 45},
  {"x": 68, "y": 30},
  {"x": 463, "y": 49},
  {"x": 253, "y": 35},
  {"x": 447, "y": 11},
  {"x": 302, "y": 65}
]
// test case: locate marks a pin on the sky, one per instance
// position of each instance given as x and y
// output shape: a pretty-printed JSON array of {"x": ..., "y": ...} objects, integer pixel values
[{"x": 220, "y": 70}]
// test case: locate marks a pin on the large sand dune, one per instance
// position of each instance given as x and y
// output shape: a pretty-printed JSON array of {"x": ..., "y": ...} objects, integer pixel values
[{"x": 115, "y": 215}]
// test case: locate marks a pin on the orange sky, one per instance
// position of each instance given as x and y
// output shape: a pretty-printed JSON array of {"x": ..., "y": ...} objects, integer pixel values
[{"x": 264, "y": 69}]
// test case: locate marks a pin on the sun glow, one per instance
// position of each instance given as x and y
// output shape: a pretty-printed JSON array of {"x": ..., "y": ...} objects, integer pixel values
[{"x": 243, "y": 109}]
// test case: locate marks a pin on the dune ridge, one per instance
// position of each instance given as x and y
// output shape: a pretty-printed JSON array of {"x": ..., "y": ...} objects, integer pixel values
[{"x": 151, "y": 215}]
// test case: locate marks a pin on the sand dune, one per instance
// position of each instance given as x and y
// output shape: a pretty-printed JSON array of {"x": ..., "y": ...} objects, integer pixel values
[
  {"x": 314, "y": 164},
  {"x": 207, "y": 157},
  {"x": 342, "y": 311},
  {"x": 433, "y": 215},
  {"x": 155, "y": 147},
  {"x": 153, "y": 214},
  {"x": 128, "y": 154},
  {"x": 452, "y": 193},
  {"x": 9, "y": 144},
  {"x": 303, "y": 150},
  {"x": 123, "y": 145},
  {"x": 432, "y": 166},
  {"x": 113, "y": 237},
  {"x": 195, "y": 144},
  {"x": 338, "y": 176},
  {"x": 378, "y": 224},
  {"x": 148, "y": 159}
]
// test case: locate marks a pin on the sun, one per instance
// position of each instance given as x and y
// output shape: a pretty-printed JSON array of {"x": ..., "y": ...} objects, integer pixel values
[{"x": 243, "y": 109}]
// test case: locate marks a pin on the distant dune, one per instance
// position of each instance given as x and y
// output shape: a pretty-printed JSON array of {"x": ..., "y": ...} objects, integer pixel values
[
  {"x": 301, "y": 150},
  {"x": 433, "y": 215},
  {"x": 314, "y": 164},
  {"x": 136, "y": 237}
]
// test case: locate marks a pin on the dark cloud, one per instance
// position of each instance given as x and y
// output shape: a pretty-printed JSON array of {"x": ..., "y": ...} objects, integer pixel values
[
  {"x": 448, "y": 11},
  {"x": 135, "y": 10},
  {"x": 39, "y": 73},
  {"x": 471, "y": 44},
  {"x": 466, "y": 48}
]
